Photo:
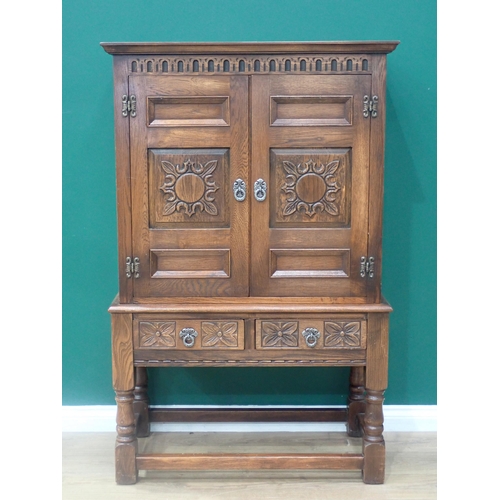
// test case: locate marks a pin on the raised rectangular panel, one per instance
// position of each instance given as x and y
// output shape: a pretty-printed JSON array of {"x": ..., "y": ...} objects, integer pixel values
[
  {"x": 190, "y": 263},
  {"x": 319, "y": 110},
  {"x": 203, "y": 111},
  {"x": 309, "y": 263}
]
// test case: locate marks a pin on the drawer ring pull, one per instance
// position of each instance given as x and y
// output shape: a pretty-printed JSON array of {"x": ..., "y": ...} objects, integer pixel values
[
  {"x": 188, "y": 336},
  {"x": 311, "y": 335}
]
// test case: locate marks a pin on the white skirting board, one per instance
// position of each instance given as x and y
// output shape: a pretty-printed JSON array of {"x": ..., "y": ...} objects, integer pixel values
[{"x": 402, "y": 418}]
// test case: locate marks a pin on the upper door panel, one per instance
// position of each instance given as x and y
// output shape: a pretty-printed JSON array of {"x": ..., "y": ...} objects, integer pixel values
[
  {"x": 189, "y": 145},
  {"x": 310, "y": 146}
]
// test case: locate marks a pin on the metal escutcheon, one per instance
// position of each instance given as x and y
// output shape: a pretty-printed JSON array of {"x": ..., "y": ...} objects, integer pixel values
[
  {"x": 260, "y": 189},
  {"x": 188, "y": 336},
  {"x": 311, "y": 335},
  {"x": 239, "y": 190}
]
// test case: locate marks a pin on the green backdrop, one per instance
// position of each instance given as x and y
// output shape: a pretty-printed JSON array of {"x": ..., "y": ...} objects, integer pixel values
[{"x": 89, "y": 214}]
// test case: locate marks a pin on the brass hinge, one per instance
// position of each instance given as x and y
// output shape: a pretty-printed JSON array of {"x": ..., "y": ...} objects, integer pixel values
[
  {"x": 129, "y": 105},
  {"x": 367, "y": 267},
  {"x": 132, "y": 267},
  {"x": 370, "y": 106}
]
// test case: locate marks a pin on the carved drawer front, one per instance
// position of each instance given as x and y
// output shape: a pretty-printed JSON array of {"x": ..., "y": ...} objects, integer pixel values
[
  {"x": 189, "y": 334},
  {"x": 338, "y": 333}
]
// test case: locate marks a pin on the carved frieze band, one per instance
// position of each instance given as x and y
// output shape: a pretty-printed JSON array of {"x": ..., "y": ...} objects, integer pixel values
[
  {"x": 311, "y": 187},
  {"x": 189, "y": 187},
  {"x": 252, "y": 64}
]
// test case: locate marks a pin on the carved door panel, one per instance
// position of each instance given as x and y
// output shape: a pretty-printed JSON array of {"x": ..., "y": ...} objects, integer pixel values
[
  {"x": 310, "y": 145},
  {"x": 189, "y": 145}
]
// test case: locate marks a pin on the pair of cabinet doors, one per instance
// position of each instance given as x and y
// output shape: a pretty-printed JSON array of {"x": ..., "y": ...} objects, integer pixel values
[{"x": 249, "y": 185}]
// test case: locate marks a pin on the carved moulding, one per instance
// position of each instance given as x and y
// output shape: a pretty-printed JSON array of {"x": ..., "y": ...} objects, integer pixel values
[
  {"x": 304, "y": 63},
  {"x": 236, "y": 362}
]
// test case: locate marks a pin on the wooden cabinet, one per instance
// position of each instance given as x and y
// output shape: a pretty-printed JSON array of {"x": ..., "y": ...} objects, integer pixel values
[{"x": 249, "y": 189}]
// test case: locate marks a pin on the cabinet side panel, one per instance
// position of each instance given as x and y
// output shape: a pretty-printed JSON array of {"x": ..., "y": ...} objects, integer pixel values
[
  {"x": 376, "y": 194},
  {"x": 123, "y": 195}
]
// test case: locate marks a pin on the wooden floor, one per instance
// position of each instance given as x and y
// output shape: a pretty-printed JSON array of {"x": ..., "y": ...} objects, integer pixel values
[{"x": 88, "y": 468}]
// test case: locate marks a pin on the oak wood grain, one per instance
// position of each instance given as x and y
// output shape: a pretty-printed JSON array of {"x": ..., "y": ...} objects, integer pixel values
[
  {"x": 377, "y": 141},
  {"x": 230, "y": 461},
  {"x": 123, "y": 179},
  {"x": 377, "y": 47},
  {"x": 377, "y": 352},
  {"x": 183, "y": 174},
  {"x": 230, "y": 281},
  {"x": 252, "y": 305},
  {"x": 122, "y": 352},
  {"x": 317, "y": 195},
  {"x": 252, "y": 415},
  {"x": 141, "y": 402}
]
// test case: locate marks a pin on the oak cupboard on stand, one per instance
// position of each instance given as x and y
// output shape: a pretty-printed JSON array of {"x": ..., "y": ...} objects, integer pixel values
[{"x": 249, "y": 190}]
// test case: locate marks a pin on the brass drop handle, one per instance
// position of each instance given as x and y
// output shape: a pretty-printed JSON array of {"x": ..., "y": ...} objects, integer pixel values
[
  {"x": 188, "y": 336},
  {"x": 260, "y": 189},
  {"x": 311, "y": 335},
  {"x": 239, "y": 190}
]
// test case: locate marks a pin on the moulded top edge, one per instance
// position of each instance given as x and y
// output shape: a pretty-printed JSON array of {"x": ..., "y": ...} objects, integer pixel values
[
  {"x": 248, "y": 305},
  {"x": 366, "y": 47}
]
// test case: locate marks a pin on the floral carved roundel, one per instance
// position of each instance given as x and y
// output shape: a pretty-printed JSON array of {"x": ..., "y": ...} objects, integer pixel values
[
  {"x": 311, "y": 187},
  {"x": 189, "y": 187}
]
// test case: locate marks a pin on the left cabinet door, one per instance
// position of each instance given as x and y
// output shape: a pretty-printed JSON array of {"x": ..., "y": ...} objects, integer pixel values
[{"x": 188, "y": 148}]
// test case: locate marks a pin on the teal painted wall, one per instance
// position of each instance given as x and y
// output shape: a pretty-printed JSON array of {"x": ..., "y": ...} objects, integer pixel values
[{"x": 89, "y": 214}]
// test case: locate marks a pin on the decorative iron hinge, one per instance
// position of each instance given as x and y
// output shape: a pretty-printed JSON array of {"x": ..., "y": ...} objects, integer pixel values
[
  {"x": 132, "y": 267},
  {"x": 129, "y": 105},
  {"x": 367, "y": 267},
  {"x": 370, "y": 106}
]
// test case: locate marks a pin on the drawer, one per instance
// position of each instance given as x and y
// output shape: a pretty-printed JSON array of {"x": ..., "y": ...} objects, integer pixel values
[
  {"x": 325, "y": 333},
  {"x": 188, "y": 334}
]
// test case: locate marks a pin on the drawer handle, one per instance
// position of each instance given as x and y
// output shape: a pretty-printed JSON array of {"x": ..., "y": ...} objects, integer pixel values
[
  {"x": 239, "y": 190},
  {"x": 260, "y": 189},
  {"x": 188, "y": 336},
  {"x": 311, "y": 335}
]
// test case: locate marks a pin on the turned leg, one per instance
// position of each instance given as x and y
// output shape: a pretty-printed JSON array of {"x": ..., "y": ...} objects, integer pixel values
[
  {"x": 356, "y": 400},
  {"x": 376, "y": 383},
  {"x": 141, "y": 401},
  {"x": 126, "y": 441},
  {"x": 123, "y": 383},
  {"x": 373, "y": 440}
]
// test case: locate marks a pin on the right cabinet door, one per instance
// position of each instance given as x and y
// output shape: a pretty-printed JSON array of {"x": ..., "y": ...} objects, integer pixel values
[{"x": 310, "y": 176}]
